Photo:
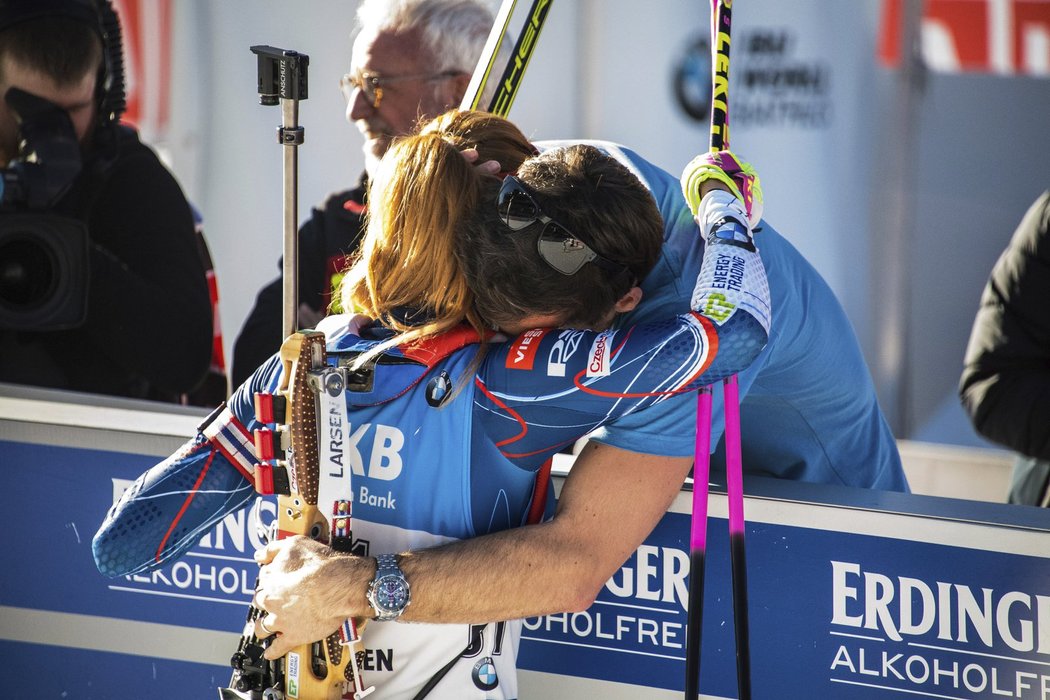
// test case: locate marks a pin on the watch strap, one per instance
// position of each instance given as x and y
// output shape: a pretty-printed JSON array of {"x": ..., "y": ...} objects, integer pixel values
[{"x": 386, "y": 566}]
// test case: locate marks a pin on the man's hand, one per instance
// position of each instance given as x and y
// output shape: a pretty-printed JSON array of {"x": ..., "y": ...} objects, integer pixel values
[
  {"x": 488, "y": 167},
  {"x": 306, "y": 590},
  {"x": 723, "y": 167}
]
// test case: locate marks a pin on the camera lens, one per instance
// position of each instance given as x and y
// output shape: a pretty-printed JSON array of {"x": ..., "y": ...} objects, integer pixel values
[
  {"x": 44, "y": 272},
  {"x": 27, "y": 273}
]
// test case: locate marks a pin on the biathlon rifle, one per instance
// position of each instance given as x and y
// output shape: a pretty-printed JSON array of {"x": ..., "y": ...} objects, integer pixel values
[
  {"x": 322, "y": 670},
  {"x": 314, "y": 496}
]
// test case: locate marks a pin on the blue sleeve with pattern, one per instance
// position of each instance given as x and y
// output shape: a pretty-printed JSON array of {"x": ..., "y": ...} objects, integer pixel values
[
  {"x": 547, "y": 388},
  {"x": 174, "y": 503}
]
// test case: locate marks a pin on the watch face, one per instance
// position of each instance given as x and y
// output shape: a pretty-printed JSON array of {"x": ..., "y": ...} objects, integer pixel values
[{"x": 390, "y": 593}]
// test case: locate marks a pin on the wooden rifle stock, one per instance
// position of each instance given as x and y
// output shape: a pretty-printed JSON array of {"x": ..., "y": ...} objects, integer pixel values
[{"x": 321, "y": 670}]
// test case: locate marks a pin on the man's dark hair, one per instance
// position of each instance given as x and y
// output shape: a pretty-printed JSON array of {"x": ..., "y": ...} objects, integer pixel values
[
  {"x": 593, "y": 196},
  {"x": 63, "y": 48}
]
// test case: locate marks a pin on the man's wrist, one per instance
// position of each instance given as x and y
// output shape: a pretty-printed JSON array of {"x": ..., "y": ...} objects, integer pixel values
[
  {"x": 712, "y": 184},
  {"x": 351, "y": 576}
]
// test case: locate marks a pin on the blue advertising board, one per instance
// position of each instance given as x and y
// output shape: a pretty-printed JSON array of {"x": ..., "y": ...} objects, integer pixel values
[
  {"x": 844, "y": 603},
  {"x": 853, "y": 594}
]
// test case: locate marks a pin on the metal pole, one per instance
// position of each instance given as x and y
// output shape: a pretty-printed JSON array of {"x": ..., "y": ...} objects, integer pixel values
[{"x": 290, "y": 123}]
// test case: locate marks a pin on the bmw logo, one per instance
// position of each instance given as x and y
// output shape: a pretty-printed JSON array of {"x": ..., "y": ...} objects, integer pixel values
[
  {"x": 484, "y": 674},
  {"x": 692, "y": 80},
  {"x": 439, "y": 389}
]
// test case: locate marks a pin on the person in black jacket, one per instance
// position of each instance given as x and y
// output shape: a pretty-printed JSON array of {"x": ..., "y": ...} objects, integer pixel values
[
  {"x": 411, "y": 61},
  {"x": 147, "y": 328},
  {"x": 1005, "y": 384}
]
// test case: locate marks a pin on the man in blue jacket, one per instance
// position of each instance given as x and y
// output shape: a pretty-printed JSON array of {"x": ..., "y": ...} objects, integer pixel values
[{"x": 809, "y": 412}]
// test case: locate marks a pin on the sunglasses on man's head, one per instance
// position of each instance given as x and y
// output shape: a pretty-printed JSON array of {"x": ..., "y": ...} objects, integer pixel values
[{"x": 559, "y": 248}]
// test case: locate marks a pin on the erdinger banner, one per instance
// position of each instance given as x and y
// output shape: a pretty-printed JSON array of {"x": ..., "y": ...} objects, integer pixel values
[
  {"x": 909, "y": 632},
  {"x": 853, "y": 594},
  {"x": 844, "y": 603},
  {"x": 208, "y": 588}
]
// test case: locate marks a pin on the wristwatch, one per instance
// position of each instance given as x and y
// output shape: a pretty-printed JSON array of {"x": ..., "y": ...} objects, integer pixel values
[{"x": 389, "y": 592}]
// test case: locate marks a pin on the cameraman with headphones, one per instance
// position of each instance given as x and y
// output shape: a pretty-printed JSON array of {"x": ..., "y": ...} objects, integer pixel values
[{"x": 102, "y": 288}]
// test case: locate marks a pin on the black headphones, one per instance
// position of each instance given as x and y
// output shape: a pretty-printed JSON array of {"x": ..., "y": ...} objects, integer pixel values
[{"x": 101, "y": 17}]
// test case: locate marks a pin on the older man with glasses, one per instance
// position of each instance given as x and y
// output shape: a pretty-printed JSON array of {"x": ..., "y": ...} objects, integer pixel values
[{"x": 411, "y": 60}]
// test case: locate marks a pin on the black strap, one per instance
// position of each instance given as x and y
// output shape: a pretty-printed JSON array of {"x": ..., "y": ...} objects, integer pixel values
[{"x": 443, "y": 671}]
